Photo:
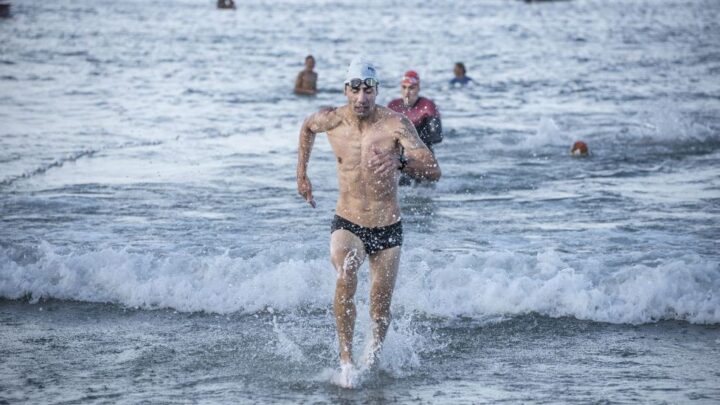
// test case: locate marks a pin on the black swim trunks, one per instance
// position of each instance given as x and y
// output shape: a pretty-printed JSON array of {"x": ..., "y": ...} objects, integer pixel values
[{"x": 374, "y": 239}]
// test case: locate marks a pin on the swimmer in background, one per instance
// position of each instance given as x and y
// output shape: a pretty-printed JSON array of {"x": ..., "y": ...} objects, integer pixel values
[
  {"x": 226, "y": 4},
  {"x": 306, "y": 81},
  {"x": 461, "y": 78},
  {"x": 421, "y": 111},
  {"x": 368, "y": 141}
]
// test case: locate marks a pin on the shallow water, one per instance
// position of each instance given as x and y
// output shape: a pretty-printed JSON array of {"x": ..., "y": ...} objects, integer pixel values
[
  {"x": 82, "y": 352},
  {"x": 147, "y": 160}
]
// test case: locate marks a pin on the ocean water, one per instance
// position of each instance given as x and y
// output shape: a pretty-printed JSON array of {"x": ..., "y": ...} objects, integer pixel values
[{"x": 153, "y": 247}]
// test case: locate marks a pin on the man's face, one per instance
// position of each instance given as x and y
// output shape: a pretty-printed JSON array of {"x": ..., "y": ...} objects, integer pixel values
[
  {"x": 458, "y": 71},
  {"x": 410, "y": 93},
  {"x": 361, "y": 99},
  {"x": 310, "y": 63}
]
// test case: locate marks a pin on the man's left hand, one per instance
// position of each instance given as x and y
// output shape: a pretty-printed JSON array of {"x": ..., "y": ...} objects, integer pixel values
[{"x": 384, "y": 163}]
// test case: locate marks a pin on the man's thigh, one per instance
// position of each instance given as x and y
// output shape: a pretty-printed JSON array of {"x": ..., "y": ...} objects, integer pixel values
[
  {"x": 346, "y": 249},
  {"x": 384, "y": 267}
]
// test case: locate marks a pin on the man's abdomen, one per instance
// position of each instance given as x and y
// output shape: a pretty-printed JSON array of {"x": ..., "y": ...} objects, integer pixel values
[{"x": 369, "y": 210}]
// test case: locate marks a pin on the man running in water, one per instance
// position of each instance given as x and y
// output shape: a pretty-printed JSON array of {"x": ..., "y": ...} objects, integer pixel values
[
  {"x": 421, "y": 111},
  {"x": 367, "y": 141}
]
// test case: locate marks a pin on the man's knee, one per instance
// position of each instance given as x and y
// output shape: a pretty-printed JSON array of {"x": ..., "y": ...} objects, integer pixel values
[
  {"x": 347, "y": 280},
  {"x": 347, "y": 269}
]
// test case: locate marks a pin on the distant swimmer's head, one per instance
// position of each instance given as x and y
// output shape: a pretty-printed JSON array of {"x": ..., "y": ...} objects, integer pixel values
[
  {"x": 361, "y": 86},
  {"x": 459, "y": 70},
  {"x": 579, "y": 148},
  {"x": 309, "y": 62},
  {"x": 410, "y": 88}
]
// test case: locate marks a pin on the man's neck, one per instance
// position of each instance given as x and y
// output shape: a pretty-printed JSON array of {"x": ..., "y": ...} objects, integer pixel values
[{"x": 361, "y": 122}]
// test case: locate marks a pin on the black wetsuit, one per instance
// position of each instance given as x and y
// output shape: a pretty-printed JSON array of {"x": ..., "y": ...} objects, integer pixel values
[{"x": 425, "y": 117}]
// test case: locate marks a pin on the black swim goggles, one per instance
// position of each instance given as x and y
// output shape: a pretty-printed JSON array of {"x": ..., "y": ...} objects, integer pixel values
[{"x": 356, "y": 83}]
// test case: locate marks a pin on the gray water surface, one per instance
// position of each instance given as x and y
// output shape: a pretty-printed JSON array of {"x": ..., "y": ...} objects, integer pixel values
[{"x": 153, "y": 247}]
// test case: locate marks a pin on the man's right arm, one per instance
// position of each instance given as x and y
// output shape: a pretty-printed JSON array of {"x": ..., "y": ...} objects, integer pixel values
[
  {"x": 298, "y": 83},
  {"x": 322, "y": 121}
]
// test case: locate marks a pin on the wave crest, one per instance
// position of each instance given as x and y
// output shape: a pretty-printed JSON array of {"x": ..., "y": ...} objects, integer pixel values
[{"x": 476, "y": 285}]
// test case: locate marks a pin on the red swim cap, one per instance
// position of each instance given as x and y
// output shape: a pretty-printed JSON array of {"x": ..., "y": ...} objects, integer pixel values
[
  {"x": 580, "y": 147},
  {"x": 411, "y": 77}
]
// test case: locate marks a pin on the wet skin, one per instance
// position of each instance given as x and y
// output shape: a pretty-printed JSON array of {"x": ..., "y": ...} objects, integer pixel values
[{"x": 367, "y": 141}]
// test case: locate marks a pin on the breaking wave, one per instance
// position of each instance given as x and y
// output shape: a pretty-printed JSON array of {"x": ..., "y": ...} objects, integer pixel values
[{"x": 474, "y": 285}]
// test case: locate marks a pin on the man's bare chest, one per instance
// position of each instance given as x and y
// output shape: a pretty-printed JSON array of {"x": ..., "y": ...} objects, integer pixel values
[{"x": 353, "y": 147}]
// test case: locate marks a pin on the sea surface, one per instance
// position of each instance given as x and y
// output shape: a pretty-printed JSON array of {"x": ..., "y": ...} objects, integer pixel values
[{"x": 153, "y": 248}]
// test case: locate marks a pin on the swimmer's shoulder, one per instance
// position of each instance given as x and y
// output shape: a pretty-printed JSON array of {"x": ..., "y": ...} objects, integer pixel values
[
  {"x": 426, "y": 103},
  {"x": 394, "y": 119},
  {"x": 330, "y": 117},
  {"x": 388, "y": 113}
]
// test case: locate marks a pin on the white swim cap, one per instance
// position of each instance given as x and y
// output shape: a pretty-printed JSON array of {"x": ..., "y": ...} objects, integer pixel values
[{"x": 361, "y": 69}]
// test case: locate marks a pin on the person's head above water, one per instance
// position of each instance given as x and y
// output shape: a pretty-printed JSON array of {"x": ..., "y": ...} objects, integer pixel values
[
  {"x": 361, "y": 87},
  {"x": 410, "y": 88},
  {"x": 459, "y": 70},
  {"x": 309, "y": 63}
]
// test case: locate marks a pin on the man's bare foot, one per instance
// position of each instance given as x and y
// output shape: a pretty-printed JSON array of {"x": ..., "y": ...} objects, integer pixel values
[
  {"x": 348, "y": 376},
  {"x": 370, "y": 356}
]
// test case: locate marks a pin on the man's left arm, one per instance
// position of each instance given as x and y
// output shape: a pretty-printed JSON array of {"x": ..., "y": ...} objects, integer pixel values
[{"x": 417, "y": 161}]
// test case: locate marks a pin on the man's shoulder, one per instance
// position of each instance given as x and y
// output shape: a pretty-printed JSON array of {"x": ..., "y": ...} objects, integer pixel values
[
  {"x": 334, "y": 112},
  {"x": 427, "y": 106},
  {"x": 392, "y": 118},
  {"x": 424, "y": 101},
  {"x": 388, "y": 112},
  {"x": 329, "y": 117},
  {"x": 461, "y": 80},
  {"x": 328, "y": 109}
]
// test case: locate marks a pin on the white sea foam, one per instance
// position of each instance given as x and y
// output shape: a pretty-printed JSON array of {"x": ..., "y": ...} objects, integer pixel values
[
  {"x": 285, "y": 346},
  {"x": 661, "y": 123},
  {"x": 215, "y": 284},
  {"x": 469, "y": 284},
  {"x": 402, "y": 347},
  {"x": 664, "y": 122},
  {"x": 544, "y": 133},
  {"x": 547, "y": 133}
]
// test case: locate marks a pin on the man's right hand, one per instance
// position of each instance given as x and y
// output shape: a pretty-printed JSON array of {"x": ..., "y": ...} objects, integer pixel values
[{"x": 305, "y": 190}]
